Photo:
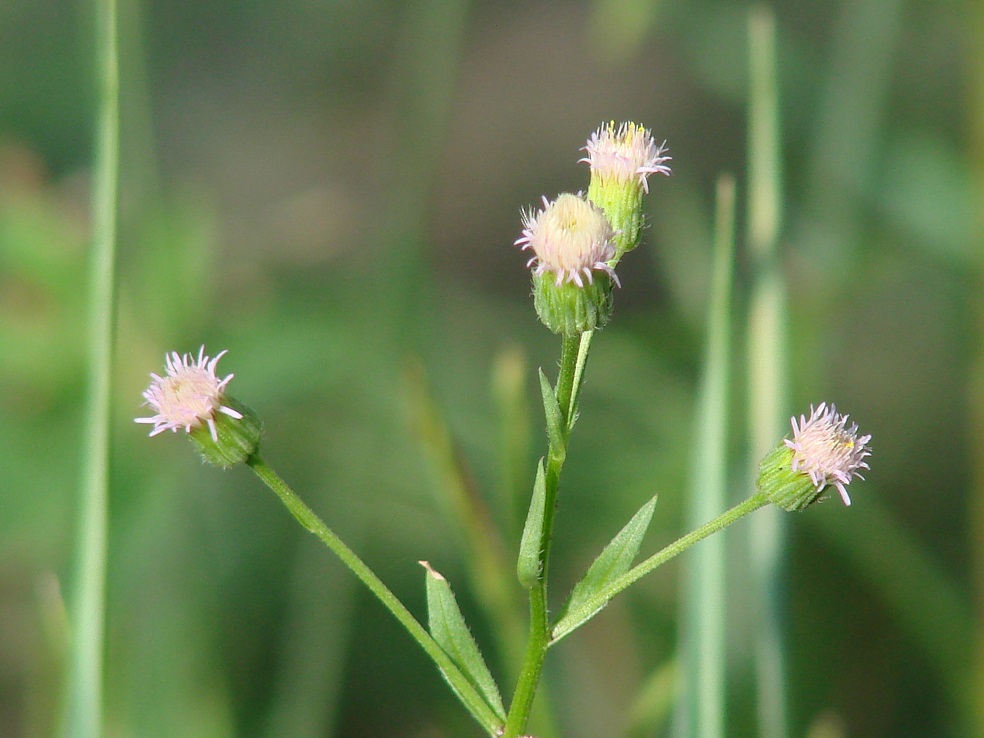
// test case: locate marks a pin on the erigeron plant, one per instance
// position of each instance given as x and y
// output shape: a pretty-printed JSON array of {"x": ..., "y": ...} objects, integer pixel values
[{"x": 576, "y": 242}]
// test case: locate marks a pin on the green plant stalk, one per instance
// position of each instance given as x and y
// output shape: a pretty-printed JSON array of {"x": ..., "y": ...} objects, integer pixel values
[
  {"x": 767, "y": 363},
  {"x": 469, "y": 696},
  {"x": 82, "y": 708},
  {"x": 572, "y": 360},
  {"x": 659, "y": 558}
]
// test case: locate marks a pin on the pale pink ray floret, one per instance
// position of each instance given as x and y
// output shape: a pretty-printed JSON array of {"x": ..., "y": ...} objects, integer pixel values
[
  {"x": 189, "y": 394},
  {"x": 827, "y": 450},
  {"x": 625, "y": 153},
  {"x": 569, "y": 237}
]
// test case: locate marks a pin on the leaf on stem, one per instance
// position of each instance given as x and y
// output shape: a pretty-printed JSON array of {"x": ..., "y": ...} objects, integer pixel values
[
  {"x": 448, "y": 627},
  {"x": 555, "y": 418},
  {"x": 612, "y": 563},
  {"x": 528, "y": 564},
  {"x": 582, "y": 359}
]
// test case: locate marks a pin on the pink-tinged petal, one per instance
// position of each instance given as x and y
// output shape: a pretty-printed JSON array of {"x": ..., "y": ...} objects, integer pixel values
[
  {"x": 189, "y": 394},
  {"x": 827, "y": 450}
]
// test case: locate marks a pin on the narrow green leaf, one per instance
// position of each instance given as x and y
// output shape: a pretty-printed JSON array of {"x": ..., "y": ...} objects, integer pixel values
[
  {"x": 612, "y": 563},
  {"x": 555, "y": 418},
  {"x": 582, "y": 359},
  {"x": 528, "y": 565},
  {"x": 448, "y": 627}
]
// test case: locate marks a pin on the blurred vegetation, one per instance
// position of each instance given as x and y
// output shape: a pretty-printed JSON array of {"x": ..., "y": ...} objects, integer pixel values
[{"x": 330, "y": 190}]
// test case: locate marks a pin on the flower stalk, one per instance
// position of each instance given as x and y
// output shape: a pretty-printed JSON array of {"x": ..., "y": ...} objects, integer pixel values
[{"x": 304, "y": 515}]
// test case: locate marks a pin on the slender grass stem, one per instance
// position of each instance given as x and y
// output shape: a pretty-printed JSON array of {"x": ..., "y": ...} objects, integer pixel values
[
  {"x": 82, "y": 709},
  {"x": 479, "y": 709},
  {"x": 767, "y": 361},
  {"x": 703, "y": 645}
]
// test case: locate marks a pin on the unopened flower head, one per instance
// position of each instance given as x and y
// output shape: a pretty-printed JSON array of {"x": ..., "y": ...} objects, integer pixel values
[
  {"x": 621, "y": 157},
  {"x": 827, "y": 450},
  {"x": 625, "y": 153},
  {"x": 569, "y": 237},
  {"x": 823, "y": 451},
  {"x": 188, "y": 395},
  {"x": 191, "y": 396}
]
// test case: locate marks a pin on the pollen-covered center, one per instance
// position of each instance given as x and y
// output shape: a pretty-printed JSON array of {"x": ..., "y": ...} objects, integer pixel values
[
  {"x": 571, "y": 238},
  {"x": 190, "y": 397},
  {"x": 827, "y": 449},
  {"x": 574, "y": 235}
]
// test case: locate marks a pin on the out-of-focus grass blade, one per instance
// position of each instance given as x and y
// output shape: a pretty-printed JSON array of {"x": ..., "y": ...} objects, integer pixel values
[
  {"x": 512, "y": 403},
  {"x": 849, "y": 132},
  {"x": 490, "y": 570},
  {"x": 975, "y": 385},
  {"x": 654, "y": 703},
  {"x": 82, "y": 709},
  {"x": 701, "y": 708},
  {"x": 767, "y": 362}
]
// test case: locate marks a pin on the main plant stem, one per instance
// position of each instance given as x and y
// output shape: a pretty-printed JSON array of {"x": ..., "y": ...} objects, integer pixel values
[{"x": 572, "y": 358}]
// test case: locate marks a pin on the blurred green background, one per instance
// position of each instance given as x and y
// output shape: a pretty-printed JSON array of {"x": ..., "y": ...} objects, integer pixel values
[{"x": 330, "y": 190}]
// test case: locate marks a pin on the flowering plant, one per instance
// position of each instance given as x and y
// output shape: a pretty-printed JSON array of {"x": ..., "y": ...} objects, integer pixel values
[{"x": 576, "y": 241}]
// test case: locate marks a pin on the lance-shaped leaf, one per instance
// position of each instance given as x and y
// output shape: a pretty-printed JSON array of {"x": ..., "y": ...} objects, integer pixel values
[
  {"x": 613, "y": 562},
  {"x": 555, "y": 418},
  {"x": 448, "y": 627},
  {"x": 528, "y": 564}
]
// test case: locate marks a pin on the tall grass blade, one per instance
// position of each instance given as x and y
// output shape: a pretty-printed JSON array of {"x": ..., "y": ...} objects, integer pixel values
[
  {"x": 82, "y": 708},
  {"x": 701, "y": 708},
  {"x": 767, "y": 362},
  {"x": 976, "y": 382}
]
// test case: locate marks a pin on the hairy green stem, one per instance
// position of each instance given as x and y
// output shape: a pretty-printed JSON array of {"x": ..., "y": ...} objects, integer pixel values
[
  {"x": 479, "y": 709},
  {"x": 573, "y": 356}
]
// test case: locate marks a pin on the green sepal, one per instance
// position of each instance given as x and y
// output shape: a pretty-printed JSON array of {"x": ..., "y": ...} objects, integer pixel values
[
  {"x": 790, "y": 490},
  {"x": 554, "y": 416},
  {"x": 447, "y": 626},
  {"x": 570, "y": 310},
  {"x": 528, "y": 564},
  {"x": 236, "y": 438},
  {"x": 612, "y": 563},
  {"x": 622, "y": 205}
]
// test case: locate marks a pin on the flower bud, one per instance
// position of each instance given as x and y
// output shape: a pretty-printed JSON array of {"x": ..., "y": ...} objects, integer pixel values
[
  {"x": 823, "y": 451},
  {"x": 621, "y": 159},
  {"x": 572, "y": 244},
  {"x": 190, "y": 396}
]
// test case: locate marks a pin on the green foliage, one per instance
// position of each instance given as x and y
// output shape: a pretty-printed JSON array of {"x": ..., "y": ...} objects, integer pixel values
[
  {"x": 530, "y": 546},
  {"x": 556, "y": 430},
  {"x": 448, "y": 627},
  {"x": 612, "y": 563}
]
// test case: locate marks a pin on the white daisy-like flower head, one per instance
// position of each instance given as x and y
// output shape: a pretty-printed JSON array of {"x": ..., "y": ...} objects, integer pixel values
[
  {"x": 189, "y": 394},
  {"x": 827, "y": 450},
  {"x": 625, "y": 153},
  {"x": 569, "y": 237}
]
